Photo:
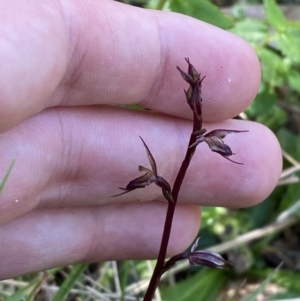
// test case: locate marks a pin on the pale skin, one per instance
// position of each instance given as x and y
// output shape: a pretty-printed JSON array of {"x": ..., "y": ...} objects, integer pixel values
[{"x": 63, "y": 63}]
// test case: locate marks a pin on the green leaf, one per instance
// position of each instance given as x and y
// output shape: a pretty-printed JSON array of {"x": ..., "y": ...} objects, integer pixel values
[
  {"x": 70, "y": 281},
  {"x": 36, "y": 288},
  {"x": 284, "y": 278},
  {"x": 205, "y": 285},
  {"x": 202, "y": 10},
  {"x": 262, "y": 103},
  {"x": 261, "y": 288},
  {"x": 295, "y": 32},
  {"x": 265, "y": 110},
  {"x": 290, "y": 142},
  {"x": 124, "y": 273},
  {"x": 254, "y": 31},
  {"x": 291, "y": 196},
  {"x": 294, "y": 80},
  {"x": 275, "y": 15},
  {"x": 288, "y": 45},
  {"x": 288, "y": 295},
  {"x": 274, "y": 119},
  {"x": 273, "y": 67},
  {"x": 272, "y": 59},
  {"x": 259, "y": 211},
  {"x": 24, "y": 291}
]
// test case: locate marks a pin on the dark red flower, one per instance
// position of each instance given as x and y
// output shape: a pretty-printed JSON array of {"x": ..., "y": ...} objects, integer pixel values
[
  {"x": 149, "y": 177},
  {"x": 214, "y": 140}
]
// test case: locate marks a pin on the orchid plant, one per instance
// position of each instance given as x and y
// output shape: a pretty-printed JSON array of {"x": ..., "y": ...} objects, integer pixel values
[{"x": 214, "y": 140}]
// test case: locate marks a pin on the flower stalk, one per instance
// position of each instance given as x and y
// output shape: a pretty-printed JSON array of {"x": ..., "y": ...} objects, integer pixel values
[{"x": 214, "y": 140}]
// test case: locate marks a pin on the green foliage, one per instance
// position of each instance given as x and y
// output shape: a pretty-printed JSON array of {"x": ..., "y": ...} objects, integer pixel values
[
  {"x": 203, "y": 286},
  {"x": 261, "y": 288},
  {"x": 288, "y": 295},
  {"x": 287, "y": 279},
  {"x": 211, "y": 215},
  {"x": 290, "y": 142},
  {"x": 288, "y": 45},
  {"x": 277, "y": 44},
  {"x": 202, "y": 10},
  {"x": 259, "y": 212},
  {"x": 274, "y": 15},
  {"x": 252, "y": 30},
  {"x": 294, "y": 80},
  {"x": 264, "y": 109},
  {"x": 124, "y": 277},
  {"x": 70, "y": 281},
  {"x": 26, "y": 291}
]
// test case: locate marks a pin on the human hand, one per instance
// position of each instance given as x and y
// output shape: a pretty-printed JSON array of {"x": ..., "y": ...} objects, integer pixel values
[{"x": 64, "y": 63}]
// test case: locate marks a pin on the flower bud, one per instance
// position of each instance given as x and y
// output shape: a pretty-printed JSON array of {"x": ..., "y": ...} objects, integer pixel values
[
  {"x": 193, "y": 94},
  {"x": 207, "y": 258}
]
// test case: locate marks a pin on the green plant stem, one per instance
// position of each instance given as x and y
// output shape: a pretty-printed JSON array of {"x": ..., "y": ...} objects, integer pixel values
[{"x": 160, "y": 4}]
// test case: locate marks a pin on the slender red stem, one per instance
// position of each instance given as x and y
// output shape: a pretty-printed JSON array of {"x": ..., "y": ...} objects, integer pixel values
[{"x": 170, "y": 214}]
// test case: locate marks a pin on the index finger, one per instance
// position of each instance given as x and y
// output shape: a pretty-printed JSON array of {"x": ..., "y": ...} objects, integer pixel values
[{"x": 105, "y": 52}]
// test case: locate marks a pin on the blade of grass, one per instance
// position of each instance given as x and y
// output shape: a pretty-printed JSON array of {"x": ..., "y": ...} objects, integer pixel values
[
  {"x": 7, "y": 175},
  {"x": 204, "y": 285},
  {"x": 262, "y": 287},
  {"x": 24, "y": 291},
  {"x": 124, "y": 276},
  {"x": 37, "y": 287},
  {"x": 69, "y": 282}
]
